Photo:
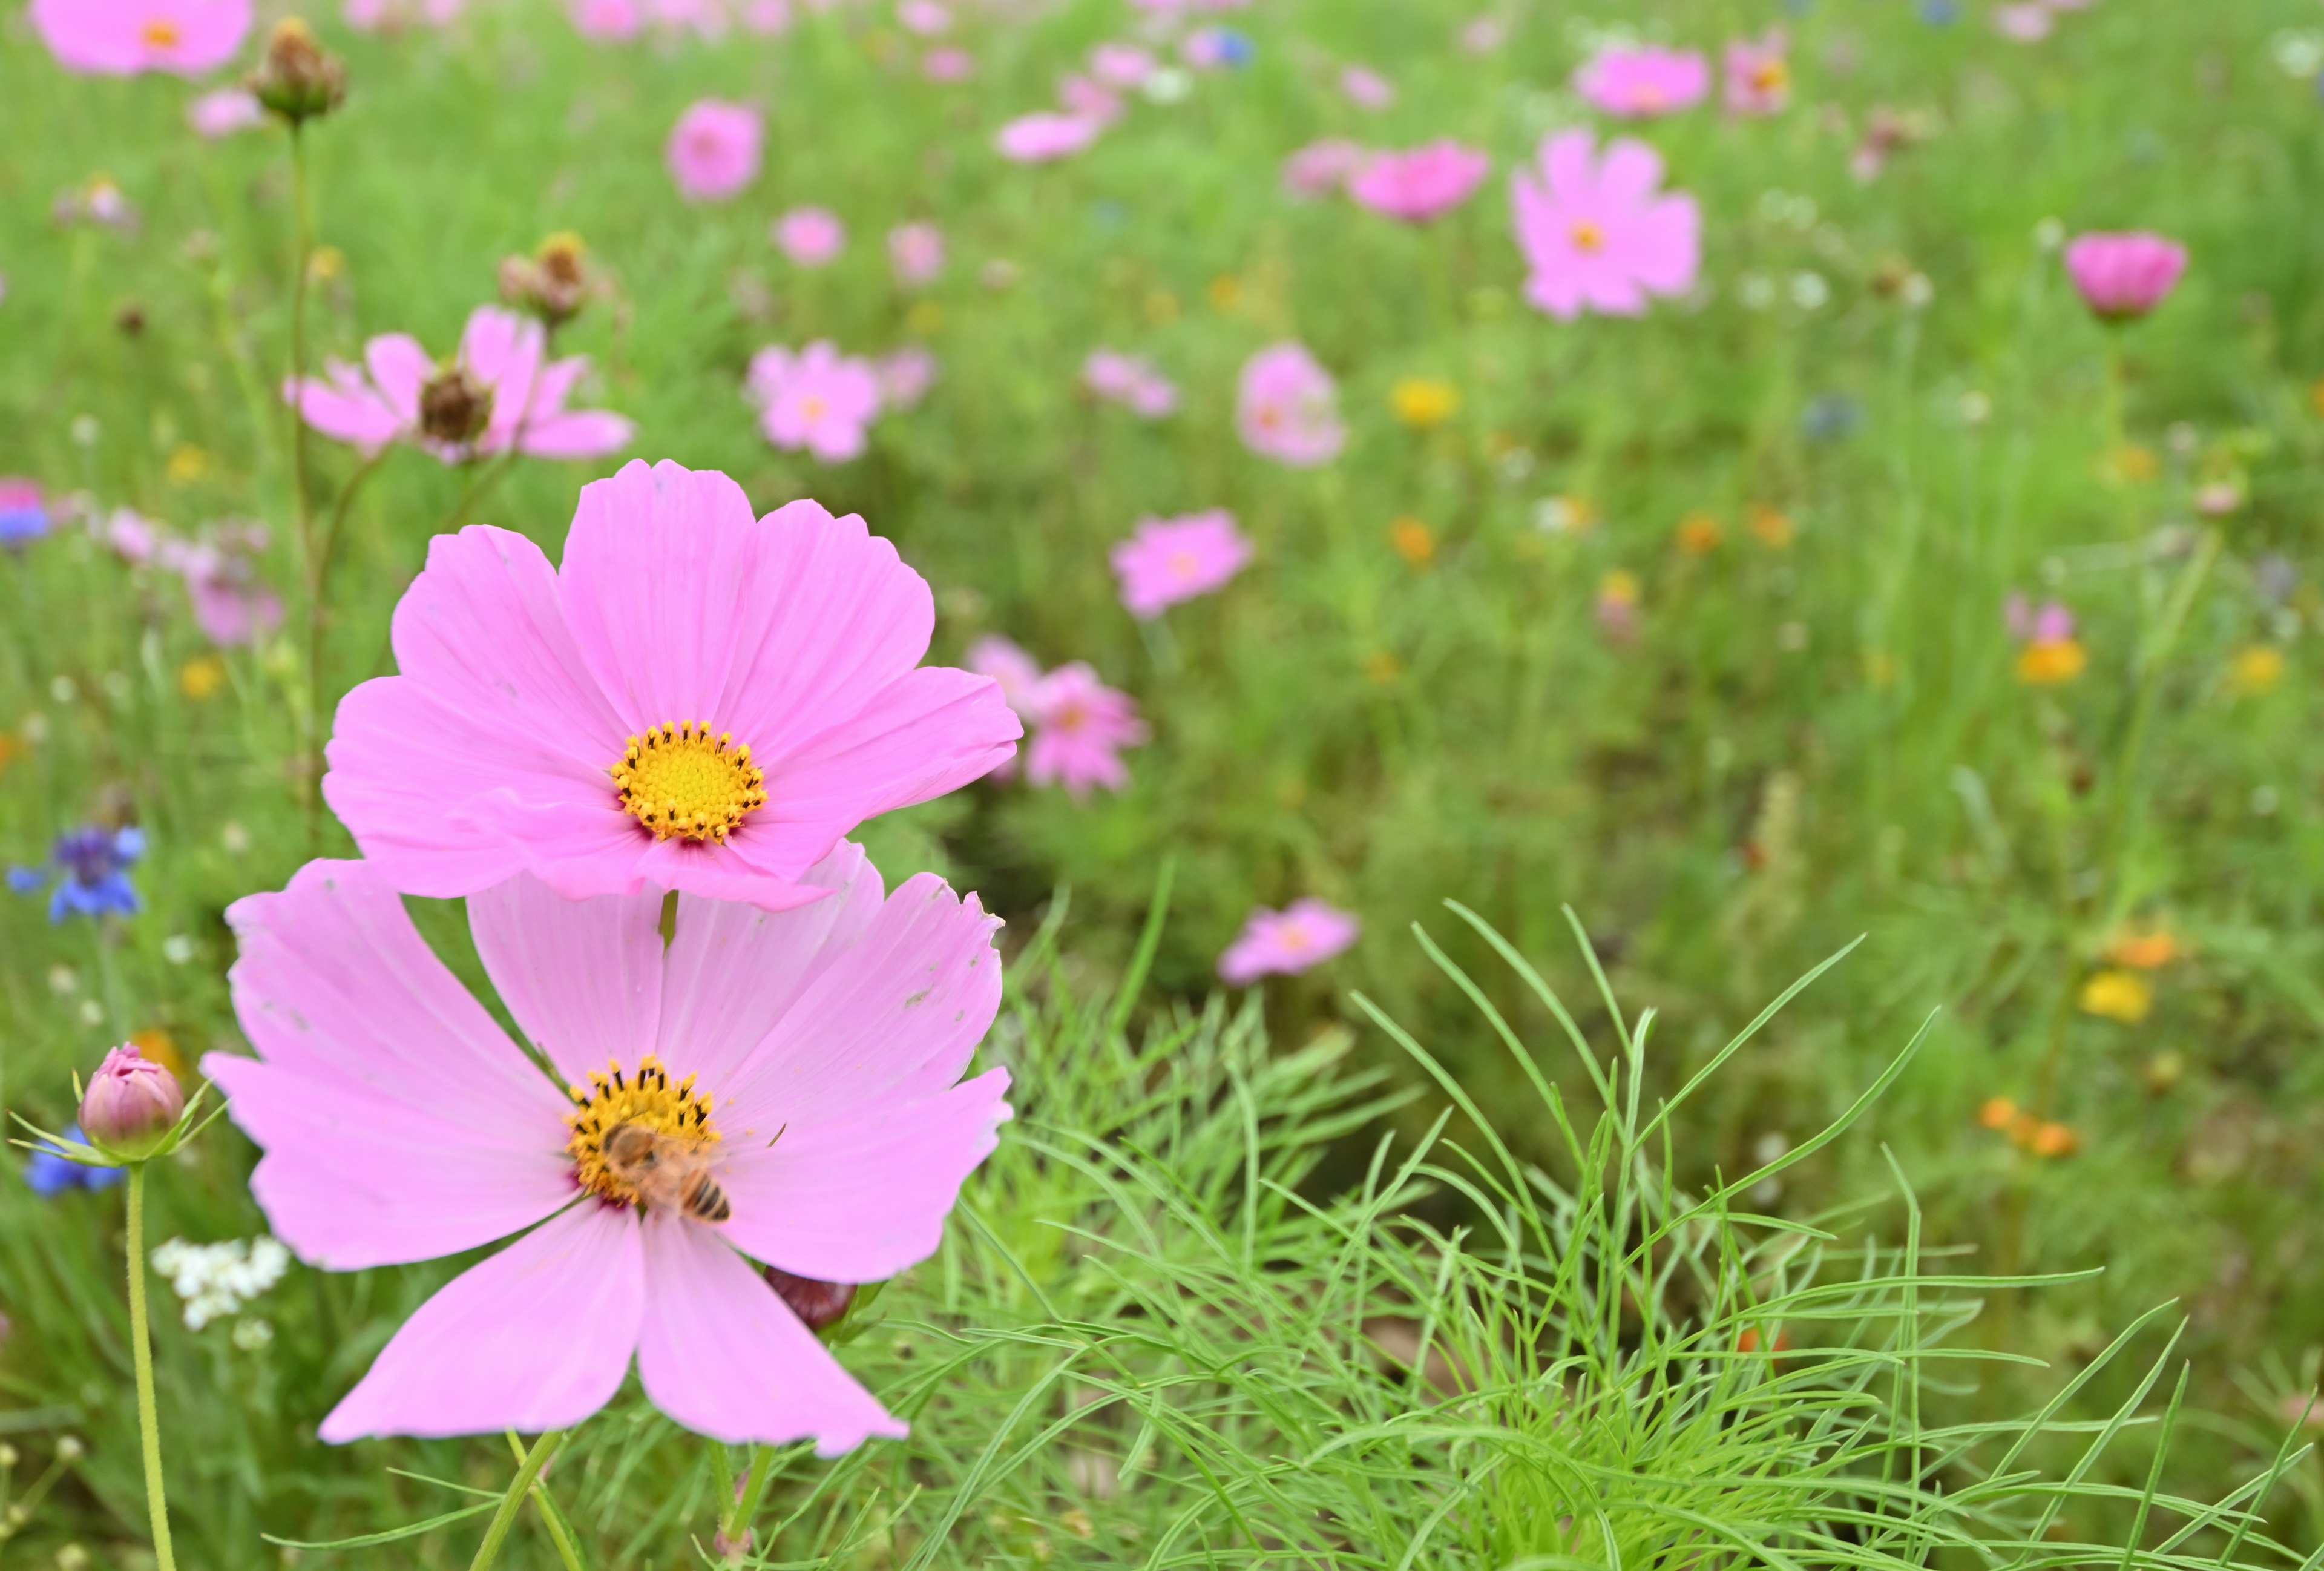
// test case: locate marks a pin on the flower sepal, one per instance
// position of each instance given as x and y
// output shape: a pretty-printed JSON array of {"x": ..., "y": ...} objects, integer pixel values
[{"x": 94, "y": 1152}]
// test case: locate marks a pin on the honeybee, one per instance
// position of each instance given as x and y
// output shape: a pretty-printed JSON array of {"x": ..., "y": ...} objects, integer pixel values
[{"x": 667, "y": 1170}]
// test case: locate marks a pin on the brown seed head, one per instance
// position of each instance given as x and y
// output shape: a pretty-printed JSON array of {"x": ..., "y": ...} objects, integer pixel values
[
  {"x": 298, "y": 79},
  {"x": 554, "y": 282},
  {"x": 454, "y": 407}
]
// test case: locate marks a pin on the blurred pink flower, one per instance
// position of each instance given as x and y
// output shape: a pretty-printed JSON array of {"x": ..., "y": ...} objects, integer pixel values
[
  {"x": 1171, "y": 559},
  {"x": 1043, "y": 137},
  {"x": 122, "y": 38},
  {"x": 2126, "y": 275},
  {"x": 765, "y": 17},
  {"x": 705, "y": 19},
  {"x": 232, "y": 605},
  {"x": 223, "y": 112},
  {"x": 905, "y": 376},
  {"x": 1483, "y": 34},
  {"x": 1304, "y": 933},
  {"x": 816, "y": 1056},
  {"x": 1598, "y": 234},
  {"x": 2026, "y": 23},
  {"x": 1639, "y": 83},
  {"x": 129, "y": 535},
  {"x": 1079, "y": 727},
  {"x": 915, "y": 251},
  {"x": 816, "y": 399},
  {"x": 1759, "y": 74},
  {"x": 1421, "y": 184},
  {"x": 948, "y": 64},
  {"x": 1018, "y": 673},
  {"x": 810, "y": 236},
  {"x": 1130, "y": 381},
  {"x": 398, "y": 391},
  {"x": 714, "y": 150},
  {"x": 607, "y": 20},
  {"x": 1081, "y": 95},
  {"x": 1288, "y": 406},
  {"x": 925, "y": 17},
  {"x": 2051, "y": 624},
  {"x": 1320, "y": 167},
  {"x": 393, "y": 16},
  {"x": 1121, "y": 66},
  {"x": 1366, "y": 87}
]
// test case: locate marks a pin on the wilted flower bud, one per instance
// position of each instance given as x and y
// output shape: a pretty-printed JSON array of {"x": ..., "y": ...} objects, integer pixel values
[
  {"x": 554, "y": 282},
  {"x": 454, "y": 407},
  {"x": 130, "y": 1106},
  {"x": 816, "y": 1304},
  {"x": 299, "y": 78}
]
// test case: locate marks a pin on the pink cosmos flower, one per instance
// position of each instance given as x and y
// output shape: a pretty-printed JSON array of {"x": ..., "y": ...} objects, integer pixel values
[
  {"x": 1758, "y": 74},
  {"x": 917, "y": 252},
  {"x": 2123, "y": 277},
  {"x": 223, "y": 113},
  {"x": 398, "y": 394},
  {"x": 1638, "y": 84},
  {"x": 1079, "y": 727},
  {"x": 925, "y": 17},
  {"x": 904, "y": 376},
  {"x": 1366, "y": 87},
  {"x": 389, "y": 15},
  {"x": 818, "y": 399},
  {"x": 1170, "y": 559},
  {"x": 695, "y": 700},
  {"x": 714, "y": 150},
  {"x": 1421, "y": 184},
  {"x": 1598, "y": 233},
  {"x": 1080, "y": 96},
  {"x": 1288, "y": 406},
  {"x": 1045, "y": 137},
  {"x": 1482, "y": 35},
  {"x": 1130, "y": 381},
  {"x": 123, "y": 38},
  {"x": 1320, "y": 167},
  {"x": 1121, "y": 66},
  {"x": 607, "y": 20},
  {"x": 1018, "y": 673},
  {"x": 810, "y": 236},
  {"x": 2051, "y": 622},
  {"x": 807, "y": 1064},
  {"x": 1284, "y": 943},
  {"x": 765, "y": 17},
  {"x": 232, "y": 605},
  {"x": 948, "y": 64},
  {"x": 2026, "y": 23}
]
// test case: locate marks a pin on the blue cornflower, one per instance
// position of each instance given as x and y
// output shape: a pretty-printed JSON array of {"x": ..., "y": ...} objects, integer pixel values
[
  {"x": 1830, "y": 416},
  {"x": 47, "y": 1174},
  {"x": 1940, "y": 13},
  {"x": 23, "y": 516},
  {"x": 91, "y": 869}
]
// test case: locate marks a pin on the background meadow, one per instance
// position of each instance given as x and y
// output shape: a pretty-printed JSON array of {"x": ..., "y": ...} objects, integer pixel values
[{"x": 1696, "y": 624}]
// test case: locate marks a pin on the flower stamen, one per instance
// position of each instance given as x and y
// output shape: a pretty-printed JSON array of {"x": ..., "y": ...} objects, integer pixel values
[
  {"x": 683, "y": 783},
  {"x": 645, "y": 1099}
]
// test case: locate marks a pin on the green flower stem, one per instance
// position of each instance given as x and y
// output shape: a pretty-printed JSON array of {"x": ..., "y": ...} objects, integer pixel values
[
  {"x": 754, "y": 1486},
  {"x": 513, "y": 1501},
  {"x": 302, "y": 509},
  {"x": 550, "y": 1516},
  {"x": 141, "y": 1346}
]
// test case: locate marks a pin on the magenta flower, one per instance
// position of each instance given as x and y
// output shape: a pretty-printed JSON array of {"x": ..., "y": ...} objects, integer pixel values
[
  {"x": 1758, "y": 74},
  {"x": 917, "y": 252},
  {"x": 1288, "y": 406},
  {"x": 1130, "y": 381},
  {"x": 805, "y": 1067},
  {"x": 1284, "y": 943},
  {"x": 1043, "y": 138},
  {"x": 925, "y": 17},
  {"x": 818, "y": 399},
  {"x": 1421, "y": 184},
  {"x": 2123, "y": 277},
  {"x": 1170, "y": 559},
  {"x": 1366, "y": 87},
  {"x": 1088, "y": 99},
  {"x": 123, "y": 38},
  {"x": 2029, "y": 22},
  {"x": 714, "y": 150},
  {"x": 810, "y": 236},
  {"x": 695, "y": 700},
  {"x": 948, "y": 64},
  {"x": 1598, "y": 234},
  {"x": 223, "y": 113},
  {"x": 495, "y": 395},
  {"x": 1320, "y": 167},
  {"x": 905, "y": 376},
  {"x": 607, "y": 20},
  {"x": 1018, "y": 673},
  {"x": 1121, "y": 66},
  {"x": 132, "y": 1103},
  {"x": 1638, "y": 84},
  {"x": 1079, "y": 727},
  {"x": 766, "y": 18},
  {"x": 232, "y": 605}
]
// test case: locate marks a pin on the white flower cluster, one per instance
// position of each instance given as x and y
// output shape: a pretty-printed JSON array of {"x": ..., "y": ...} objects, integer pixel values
[{"x": 218, "y": 1279}]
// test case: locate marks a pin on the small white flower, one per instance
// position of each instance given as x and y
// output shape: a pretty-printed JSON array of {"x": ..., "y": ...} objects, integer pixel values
[
  {"x": 1809, "y": 292},
  {"x": 1756, "y": 291},
  {"x": 177, "y": 948}
]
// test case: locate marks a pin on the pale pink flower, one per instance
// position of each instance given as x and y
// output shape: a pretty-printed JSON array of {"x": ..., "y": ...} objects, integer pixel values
[
  {"x": 607, "y": 20},
  {"x": 386, "y": 399},
  {"x": 1366, "y": 87},
  {"x": 122, "y": 38},
  {"x": 232, "y": 605},
  {"x": 1288, "y": 407},
  {"x": 1018, "y": 673},
  {"x": 223, "y": 113},
  {"x": 948, "y": 64},
  {"x": 1081, "y": 95},
  {"x": 1598, "y": 233},
  {"x": 714, "y": 150},
  {"x": 760, "y": 676},
  {"x": 1079, "y": 727},
  {"x": 817, "y": 398},
  {"x": 810, "y": 236},
  {"x": 812, "y": 1060},
  {"x": 1482, "y": 35},
  {"x": 129, "y": 535},
  {"x": 1639, "y": 83},
  {"x": 1171, "y": 559},
  {"x": 1284, "y": 943},
  {"x": 1121, "y": 66},
  {"x": 765, "y": 17},
  {"x": 1320, "y": 167},
  {"x": 1045, "y": 137},
  {"x": 1421, "y": 184},
  {"x": 2029, "y": 22},
  {"x": 2050, "y": 623},
  {"x": 1130, "y": 381},
  {"x": 905, "y": 376},
  {"x": 2127, "y": 275},
  {"x": 393, "y": 16},
  {"x": 132, "y": 1103},
  {"x": 1759, "y": 74},
  {"x": 917, "y": 252},
  {"x": 925, "y": 17},
  {"x": 705, "y": 19}
]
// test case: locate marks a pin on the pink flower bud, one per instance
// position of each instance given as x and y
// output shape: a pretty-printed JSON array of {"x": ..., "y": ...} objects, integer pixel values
[
  {"x": 131, "y": 1105},
  {"x": 2122, "y": 276}
]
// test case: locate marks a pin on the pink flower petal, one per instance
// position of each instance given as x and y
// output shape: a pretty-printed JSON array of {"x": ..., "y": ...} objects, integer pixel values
[
  {"x": 400, "y": 367},
  {"x": 582, "y": 434},
  {"x": 583, "y": 977}
]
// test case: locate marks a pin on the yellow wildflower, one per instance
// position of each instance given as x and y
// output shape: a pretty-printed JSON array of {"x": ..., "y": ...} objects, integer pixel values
[
  {"x": 2257, "y": 669},
  {"x": 2118, "y": 995},
  {"x": 188, "y": 464},
  {"x": 1773, "y": 526},
  {"x": 2051, "y": 661},
  {"x": 1413, "y": 541},
  {"x": 201, "y": 676},
  {"x": 1422, "y": 401}
]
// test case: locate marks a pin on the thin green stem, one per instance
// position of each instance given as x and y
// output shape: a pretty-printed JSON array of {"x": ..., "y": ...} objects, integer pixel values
[
  {"x": 318, "y": 596},
  {"x": 746, "y": 1507},
  {"x": 117, "y": 1013},
  {"x": 550, "y": 1518},
  {"x": 149, "y": 1425},
  {"x": 301, "y": 507},
  {"x": 519, "y": 1487}
]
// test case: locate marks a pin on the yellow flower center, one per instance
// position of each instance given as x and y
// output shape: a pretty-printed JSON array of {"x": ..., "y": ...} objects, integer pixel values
[
  {"x": 1182, "y": 565},
  {"x": 1588, "y": 235},
  {"x": 645, "y": 1099},
  {"x": 1769, "y": 75},
  {"x": 813, "y": 407},
  {"x": 682, "y": 782},
  {"x": 159, "y": 33}
]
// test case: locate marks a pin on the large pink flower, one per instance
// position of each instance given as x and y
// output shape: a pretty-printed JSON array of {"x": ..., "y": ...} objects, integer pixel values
[
  {"x": 1599, "y": 233},
  {"x": 398, "y": 394},
  {"x": 1638, "y": 84},
  {"x": 122, "y": 38},
  {"x": 2122, "y": 276},
  {"x": 695, "y": 699},
  {"x": 810, "y": 1060},
  {"x": 1080, "y": 728},
  {"x": 1421, "y": 184},
  {"x": 816, "y": 398},
  {"x": 1170, "y": 559},
  {"x": 714, "y": 150},
  {"x": 1288, "y": 406}
]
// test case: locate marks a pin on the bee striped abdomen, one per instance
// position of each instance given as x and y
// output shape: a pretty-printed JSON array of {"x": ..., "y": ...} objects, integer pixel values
[{"x": 706, "y": 1201}]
